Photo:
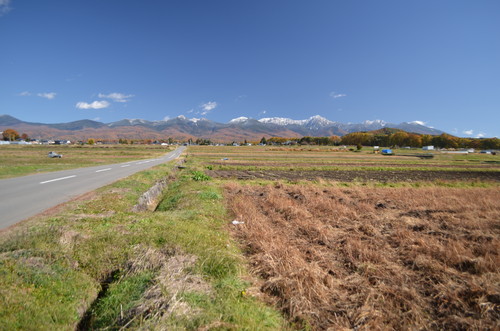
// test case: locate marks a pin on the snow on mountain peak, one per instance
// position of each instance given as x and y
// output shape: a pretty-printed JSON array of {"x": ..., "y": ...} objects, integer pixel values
[
  {"x": 314, "y": 122},
  {"x": 281, "y": 121},
  {"x": 417, "y": 122},
  {"x": 135, "y": 121},
  {"x": 318, "y": 118},
  {"x": 194, "y": 120},
  {"x": 319, "y": 121},
  {"x": 239, "y": 120},
  {"x": 375, "y": 122}
]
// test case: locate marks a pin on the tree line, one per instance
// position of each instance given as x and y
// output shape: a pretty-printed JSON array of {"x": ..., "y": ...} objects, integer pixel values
[
  {"x": 395, "y": 139},
  {"x": 403, "y": 139}
]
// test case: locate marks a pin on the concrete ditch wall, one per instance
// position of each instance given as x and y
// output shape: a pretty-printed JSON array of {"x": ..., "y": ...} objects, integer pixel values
[{"x": 150, "y": 199}]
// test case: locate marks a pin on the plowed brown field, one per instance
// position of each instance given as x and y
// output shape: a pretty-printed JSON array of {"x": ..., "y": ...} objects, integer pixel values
[
  {"x": 374, "y": 258},
  {"x": 361, "y": 175}
]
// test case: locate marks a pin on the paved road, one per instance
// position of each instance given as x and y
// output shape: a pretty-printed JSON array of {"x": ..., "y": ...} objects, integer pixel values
[{"x": 23, "y": 197}]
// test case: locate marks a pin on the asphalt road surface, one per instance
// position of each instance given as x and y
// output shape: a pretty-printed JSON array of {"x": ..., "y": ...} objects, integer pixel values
[{"x": 24, "y": 197}]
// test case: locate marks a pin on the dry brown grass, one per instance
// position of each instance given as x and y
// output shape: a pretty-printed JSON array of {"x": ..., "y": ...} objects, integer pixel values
[
  {"x": 374, "y": 258},
  {"x": 164, "y": 297}
]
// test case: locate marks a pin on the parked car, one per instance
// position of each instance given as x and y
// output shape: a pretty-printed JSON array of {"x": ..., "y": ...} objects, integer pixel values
[{"x": 54, "y": 154}]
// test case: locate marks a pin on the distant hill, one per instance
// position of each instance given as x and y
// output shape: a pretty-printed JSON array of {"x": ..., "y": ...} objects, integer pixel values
[{"x": 183, "y": 128}]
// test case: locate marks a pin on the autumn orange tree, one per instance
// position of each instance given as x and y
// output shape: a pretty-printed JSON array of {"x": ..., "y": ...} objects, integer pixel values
[{"x": 10, "y": 135}]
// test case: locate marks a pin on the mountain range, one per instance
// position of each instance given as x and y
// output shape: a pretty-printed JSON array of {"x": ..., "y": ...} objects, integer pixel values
[{"x": 183, "y": 128}]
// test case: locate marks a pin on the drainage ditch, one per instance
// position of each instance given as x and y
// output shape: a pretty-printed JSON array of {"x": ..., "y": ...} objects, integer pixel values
[
  {"x": 145, "y": 260},
  {"x": 86, "y": 321}
]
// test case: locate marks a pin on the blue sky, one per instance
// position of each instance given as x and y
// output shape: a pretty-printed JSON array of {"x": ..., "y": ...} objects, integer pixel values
[{"x": 437, "y": 62}]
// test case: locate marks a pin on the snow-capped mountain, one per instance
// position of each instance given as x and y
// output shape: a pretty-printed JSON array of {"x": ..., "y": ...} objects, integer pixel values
[
  {"x": 320, "y": 126},
  {"x": 314, "y": 123},
  {"x": 317, "y": 122},
  {"x": 281, "y": 121},
  {"x": 181, "y": 127}
]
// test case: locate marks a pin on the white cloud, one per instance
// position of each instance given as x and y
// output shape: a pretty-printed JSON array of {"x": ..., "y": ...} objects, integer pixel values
[
  {"x": 49, "y": 96},
  {"x": 336, "y": 95},
  {"x": 97, "y": 119},
  {"x": 116, "y": 97},
  {"x": 468, "y": 132},
  {"x": 418, "y": 122},
  {"x": 166, "y": 118},
  {"x": 208, "y": 107},
  {"x": 480, "y": 135},
  {"x": 4, "y": 7},
  {"x": 93, "y": 105}
]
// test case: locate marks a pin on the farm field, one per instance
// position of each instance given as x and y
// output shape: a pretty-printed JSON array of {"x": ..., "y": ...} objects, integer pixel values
[
  {"x": 21, "y": 160},
  {"x": 330, "y": 163},
  {"x": 347, "y": 240}
]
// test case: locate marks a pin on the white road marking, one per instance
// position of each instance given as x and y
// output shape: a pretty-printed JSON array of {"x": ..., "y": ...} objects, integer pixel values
[
  {"x": 125, "y": 165},
  {"x": 54, "y": 180},
  {"x": 107, "y": 169}
]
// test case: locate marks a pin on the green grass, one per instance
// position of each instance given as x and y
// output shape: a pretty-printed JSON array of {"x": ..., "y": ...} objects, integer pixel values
[
  {"x": 121, "y": 296},
  {"x": 170, "y": 199},
  {"x": 41, "y": 293},
  {"x": 20, "y": 160}
]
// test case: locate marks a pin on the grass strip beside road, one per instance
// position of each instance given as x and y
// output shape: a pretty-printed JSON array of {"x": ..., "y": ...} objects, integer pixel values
[
  {"x": 98, "y": 265},
  {"x": 21, "y": 160}
]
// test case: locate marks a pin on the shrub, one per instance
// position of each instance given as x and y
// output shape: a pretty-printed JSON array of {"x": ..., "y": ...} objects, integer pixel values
[{"x": 200, "y": 176}]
